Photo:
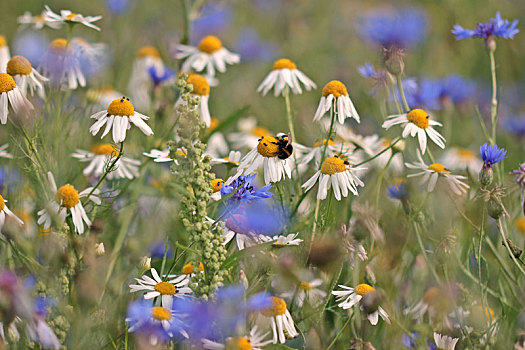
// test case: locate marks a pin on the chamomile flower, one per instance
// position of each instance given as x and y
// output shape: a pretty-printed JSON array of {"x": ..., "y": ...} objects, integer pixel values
[
  {"x": 103, "y": 97},
  {"x": 98, "y": 158},
  {"x": 4, "y": 210},
  {"x": 249, "y": 134},
  {"x": 307, "y": 290},
  {"x": 335, "y": 99},
  {"x": 235, "y": 227},
  {"x": 4, "y": 153},
  {"x": 267, "y": 154},
  {"x": 233, "y": 158},
  {"x": 160, "y": 156},
  {"x": 174, "y": 287},
  {"x": 69, "y": 17},
  {"x": 444, "y": 342},
  {"x": 338, "y": 173},
  {"x": 216, "y": 185},
  {"x": 435, "y": 304},
  {"x": 119, "y": 116},
  {"x": 349, "y": 297},
  {"x": 5, "y": 56},
  {"x": 431, "y": 173},
  {"x": 316, "y": 151},
  {"x": 417, "y": 121},
  {"x": 201, "y": 89},
  {"x": 209, "y": 55},
  {"x": 67, "y": 198},
  {"x": 285, "y": 75},
  {"x": 280, "y": 320},
  {"x": 462, "y": 159},
  {"x": 10, "y": 94},
  {"x": 254, "y": 341},
  {"x": 62, "y": 67},
  {"x": 280, "y": 241},
  {"x": 37, "y": 22},
  {"x": 90, "y": 55},
  {"x": 25, "y": 76},
  {"x": 140, "y": 83}
]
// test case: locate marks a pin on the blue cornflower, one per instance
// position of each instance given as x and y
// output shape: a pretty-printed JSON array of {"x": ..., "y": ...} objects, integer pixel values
[
  {"x": 118, "y": 7},
  {"x": 157, "y": 251},
  {"x": 378, "y": 76},
  {"x": 409, "y": 341},
  {"x": 491, "y": 154},
  {"x": 155, "y": 322},
  {"x": 41, "y": 305},
  {"x": 494, "y": 27},
  {"x": 214, "y": 18},
  {"x": 397, "y": 191},
  {"x": 252, "y": 48},
  {"x": 157, "y": 78},
  {"x": 402, "y": 28},
  {"x": 243, "y": 190},
  {"x": 515, "y": 125}
]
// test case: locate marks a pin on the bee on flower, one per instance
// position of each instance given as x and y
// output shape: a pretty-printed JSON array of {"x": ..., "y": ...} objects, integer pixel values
[
  {"x": 254, "y": 341},
  {"x": 280, "y": 320},
  {"x": 431, "y": 173},
  {"x": 335, "y": 99},
  {"x": 25, "y": 76},
  {"x": 37, "y": 22},
  {"x": 4, "y": 211},
  {"x": 98, "y": 158},
  {"x": 337, "y": 173},
  {"x": 209, "y": 54},
  {"x": 5, "y": 55},
  {"x": 10, "y": 95},
  {"x": 201, "y": 89},
  {"x": 349, "y": 297},
  {"x": 118, "y": 117},
  {"x": 61, "y": 65},
  {"x": 67, "y": 198},
  {"x": 417, "y": 122},
  {"x": 69, "y": 17},
  {"x": 167, "y": 288},
  {"x": 284, "y": 76},
  {"x": 140, "y": 84}
]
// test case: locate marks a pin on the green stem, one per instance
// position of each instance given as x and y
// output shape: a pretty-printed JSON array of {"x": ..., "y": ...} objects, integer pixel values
[
  {"x": 380, "y": 178},
  {"x": 494, "y": 101},
  {"x": 107, "y": 171},
  {"x": 340, "y": 332},
  {"x": 402, "y": 92},
  {"x": 380, "y": 153},
  {"x": 289, "y": 116},
  {"x": 504, "y": 238},
  {"x": 424, "y": 252}
]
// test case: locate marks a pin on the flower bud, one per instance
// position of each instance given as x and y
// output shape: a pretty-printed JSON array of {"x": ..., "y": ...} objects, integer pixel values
[
  {"x": 144, "y": 263},
  {"x": 516, "y": 251},
  {"x": 490, "y": 43},
  {"x": 399, "y": 146},
  {"x": 99, "y": 249},
  {"x": 486, "y": 176},
  {"x": 370, "y": 302},
  {"x": 494, "y": 208}
]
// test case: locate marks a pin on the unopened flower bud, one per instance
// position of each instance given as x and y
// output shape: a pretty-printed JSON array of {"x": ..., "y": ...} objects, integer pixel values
[
  {"x": 490, "y": 43},
  {"x": 145, "y": 263},
  {"x": 486, "y": 176},
  {"x": 399, "y": 146},
  {"x": 494, "y": 208},
  {"x": 99, "y": 249},
  {"x": 370, "y": 302}
]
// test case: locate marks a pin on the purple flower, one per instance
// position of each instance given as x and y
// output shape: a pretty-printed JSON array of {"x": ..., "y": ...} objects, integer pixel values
[
  {"x": 243, "y": 189},
  {"x": 494, "y": 27},
  {"x": 378, "y": 77},
  {"x": 398, "y": 191},
  {"x": 157, "y": 78}
]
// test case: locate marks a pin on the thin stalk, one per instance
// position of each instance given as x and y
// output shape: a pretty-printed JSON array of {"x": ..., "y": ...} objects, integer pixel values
[
  {"x": 380, "y": 153},
  {"x": 504, "y": 238},
  {"x": 380, "y": 178},
  {"x": 402, "y": 92},
  {"x": 340, "y": 332},
  {"x": 494, "y": 101},
  {"x": 108, "y": 170},
  {"x": 424, "y": 252}
]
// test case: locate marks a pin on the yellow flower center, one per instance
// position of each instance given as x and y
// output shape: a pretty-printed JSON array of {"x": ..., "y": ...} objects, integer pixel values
[
  {"x": 43, "y": 232},
  {"x": 70, "y": 17},
  {"x": 7, "y": 83},
  {"x": 336, "y": 88},
  {"x": 466, "y": 154},
  {"x": 3, "y": 42},
  {"x": 305, "y": 286},
  {"x": 148, "y": 51},
  {"x": 210, "y": 44},
  {"x": 431, "y": 295},
  {"x": 214, "y": 123},
  {"x": 58, "y": 46},
  {"x": 418, "y": 117},
  {"x": 160, "y": 313},
  {"x": 67, "y": 196},
  {"x": 200, "y": 84},
  {"x": 2, "y": 203},
  {"x": 330, "y": 143},
  {"x": 238, "y": 343},
  {"x": 18, "y": 65},
  {"x": 217, "y": 184},
  {"x": 278, "y": 308},
  {"x": 519, "y": 223},
  {"x": 260, "y": 131},
  {"x": 478, "y": 312},
  {"x": 438, "y": 168},
  {"x": 268, "y": 147},
  {"x": 188, "y": 269},
  {"x": 333, "y": 165},
  {"x": 363, "y": 289},
  {"x": 284, "y": 63},
  {"x": 165, "y": 288},
  {"x": 121, "y": 107},
  {"x": 201, "y": 266},
  {"x": 106, "y": 149}
]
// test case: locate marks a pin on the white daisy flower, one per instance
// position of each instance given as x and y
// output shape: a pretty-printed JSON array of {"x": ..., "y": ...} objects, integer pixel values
[
  {"x": 280, "y": 320},
  {"x": 444, "y": 342},
  {"x": 4, "y": 153},
  {"x": 216, "y": 185},
  {"x": 285, "y": 75},
  {"x": 431, "y": 173},
  {"x": 462, "y": 159},
  {"x": 103, "y": 97},
  {"x": 335, "y": 99},
  {"x": 280, "y": 241},
  {"x": 140, "y": 315},
  {"x": 254, "y": 341},
  {"x": 233, "y": 158},
  {"x": 163, "y": 155},
  {"x": 338, "y": 173},
  {"x": 67, "y": 197},
  {"x": 5, "y": 56},
  {"x": 91, "y": 55},
  {"x": 348, "y": 297},
  {"x": 10, "y": 94},
  {"x": 201, "y": 89},
  {"x": 69, "y": 17},
  {"x": 217, "y": 145},
  {"x": 62, "y": 67},
  {"x": 99, "y": 157},
  {"x": 435, "y": 302},
  {"x": 307, "y": 290},
  {"x": 267, "y": 153},
  {"x": 4, "y": 210},
  {"x": 209, "y": 55},
  {"x": 249, "y": 134},
  {"x": 316, "y": 152},
  {"x": 119, "y": 116},
  {"x": 174, "y": 287},
  {"x": 37, "y": 22},
  {"x": 417, "y": 121},
  {"x": 25, "y": 76},
  {"x": 140, "y": 83}
]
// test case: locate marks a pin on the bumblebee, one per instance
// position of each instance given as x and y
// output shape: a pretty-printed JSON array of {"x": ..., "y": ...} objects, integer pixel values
[{"x": 285, "y": 146}]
